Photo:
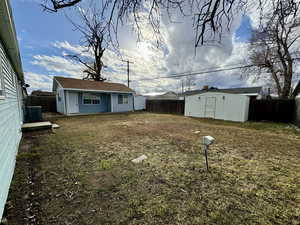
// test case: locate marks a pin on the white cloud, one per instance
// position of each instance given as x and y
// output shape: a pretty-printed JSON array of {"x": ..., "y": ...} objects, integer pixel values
[
  {"x": 58, "y": 64},
  {"x": 176, "y": 55},
  {"x": 38, "y": 81}
]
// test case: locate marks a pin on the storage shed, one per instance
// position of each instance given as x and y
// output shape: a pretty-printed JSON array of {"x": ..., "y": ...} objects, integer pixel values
[
  {"x": 218, "y": 105},
  {"x": 139, "y": 102}
]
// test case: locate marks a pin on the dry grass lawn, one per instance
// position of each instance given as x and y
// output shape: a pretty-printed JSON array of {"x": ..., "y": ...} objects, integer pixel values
[{"x": 83, "y": 173}]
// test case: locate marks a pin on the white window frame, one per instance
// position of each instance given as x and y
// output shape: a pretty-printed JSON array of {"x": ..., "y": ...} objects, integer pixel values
[
  {"x": 125, "y": 99},
  {"x": 91, "y": 97}
]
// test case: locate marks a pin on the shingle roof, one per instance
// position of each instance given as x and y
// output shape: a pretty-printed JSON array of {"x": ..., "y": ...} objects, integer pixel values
[
  {"x": 245, "y": 90},
  {"x": 72, "y": 83}
]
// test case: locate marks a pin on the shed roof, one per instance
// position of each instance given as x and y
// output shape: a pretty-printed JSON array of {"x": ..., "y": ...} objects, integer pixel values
[
  {"x": 244, "y": 90},
  {"x": 72, "y": 83}
]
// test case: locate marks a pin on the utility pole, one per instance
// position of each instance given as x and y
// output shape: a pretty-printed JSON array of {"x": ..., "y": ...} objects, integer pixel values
[
  {"x": 128, "y": 80},
  {"x": 128, "y": 62}
]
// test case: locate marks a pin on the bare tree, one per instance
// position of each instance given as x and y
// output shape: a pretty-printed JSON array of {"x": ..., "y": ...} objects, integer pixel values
[
  {"x": 272, "y": 49},
  {"x": 94, "y": 33},
  {"x": 211, "y": 17}
]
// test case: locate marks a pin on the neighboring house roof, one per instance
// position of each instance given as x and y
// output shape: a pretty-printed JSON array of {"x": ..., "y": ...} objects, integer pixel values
[
  {"x": 42, "y": 93},
  {"x": 244, "y": 91},
  {"x": 8, "y": 37},
  {"x": 77, "y": 84},
  {"x": 170, "y": 95}
]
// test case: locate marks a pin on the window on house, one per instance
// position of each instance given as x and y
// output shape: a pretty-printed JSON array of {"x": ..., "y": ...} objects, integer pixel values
[
  {"x": 91, "y": 99},
  {"x": 122, "y": 99}
]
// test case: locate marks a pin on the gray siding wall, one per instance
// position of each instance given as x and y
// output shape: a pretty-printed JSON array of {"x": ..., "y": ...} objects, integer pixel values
[
  {"x": 104, "y": 105},
  {"x": 11, "y": 118},
  {"x": 297, "y": 112},
  {"x": 122, "y": 107}
]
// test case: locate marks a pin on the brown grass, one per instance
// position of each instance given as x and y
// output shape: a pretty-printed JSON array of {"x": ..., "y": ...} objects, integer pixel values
[{"x": 85, "y": 173}]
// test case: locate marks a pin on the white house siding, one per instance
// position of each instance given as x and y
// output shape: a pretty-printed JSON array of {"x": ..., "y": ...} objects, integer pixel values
[
  {"x": 233, "y": 107},
  {"x": 139, "y": 102},
  {"x": 60, "y": 102},
  {"x": 10, "y": 125},
  {"x": 121, "y": 107}
]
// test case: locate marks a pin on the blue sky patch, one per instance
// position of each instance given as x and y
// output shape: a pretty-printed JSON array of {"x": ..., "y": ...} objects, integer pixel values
[{"x": 244, "y": 32}]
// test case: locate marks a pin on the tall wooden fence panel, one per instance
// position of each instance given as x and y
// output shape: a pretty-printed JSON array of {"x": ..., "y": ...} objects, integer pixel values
[
  {"x": 276, "y": 110},
  {"x": 165, "y": 106},
  {"x": 48, "y": 103}
]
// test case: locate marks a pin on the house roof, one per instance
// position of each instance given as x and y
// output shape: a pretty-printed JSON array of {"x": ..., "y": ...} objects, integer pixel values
[
  {"x": 244, "y": 90},
  {"x": 170, "y": 95},
  {"x": 77, "y": 84}
]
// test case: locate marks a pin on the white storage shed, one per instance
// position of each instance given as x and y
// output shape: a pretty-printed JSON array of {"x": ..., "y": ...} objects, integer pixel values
[
  {"x": 139, "y": 102},
  {"x": 218, "y": 105}
]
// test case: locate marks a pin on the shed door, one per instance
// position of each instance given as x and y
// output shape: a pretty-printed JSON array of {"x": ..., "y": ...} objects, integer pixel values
[
  {"x": 73, "y": 106},
  {"x": 210, "y": 107}
]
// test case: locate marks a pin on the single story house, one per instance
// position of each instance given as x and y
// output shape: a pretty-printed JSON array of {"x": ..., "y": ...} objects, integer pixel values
[
  {"x": 11, "y": 99},
  {"x": 75, "y": 96},
  {"x": 223, "y": 104},
  {"x": 170, "y": 95}
]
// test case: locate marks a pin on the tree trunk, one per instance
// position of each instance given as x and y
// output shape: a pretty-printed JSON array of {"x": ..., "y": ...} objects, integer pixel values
[
  {"x": 275, "y": 78},
  {"x": 288, "y": 71},
  {"x": 286, "y": 90}
]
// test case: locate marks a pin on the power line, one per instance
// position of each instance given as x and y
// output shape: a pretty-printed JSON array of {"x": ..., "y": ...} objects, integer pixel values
[
  {"x": 185, "y": 74},
  {"x": 197, "y": 73},
  {"x": 208, "y": 68}
]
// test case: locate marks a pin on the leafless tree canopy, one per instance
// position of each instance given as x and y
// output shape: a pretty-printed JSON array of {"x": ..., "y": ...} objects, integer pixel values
[
  {"x": 273, "y": 45},
  {"x": 211, "y": 17},
  {"x": 94, "y": 34}
]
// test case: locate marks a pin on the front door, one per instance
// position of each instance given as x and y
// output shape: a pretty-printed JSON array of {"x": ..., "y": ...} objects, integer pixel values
[
  {"x": 73, "y": 102},
  {"x": 210, "y": 107}
]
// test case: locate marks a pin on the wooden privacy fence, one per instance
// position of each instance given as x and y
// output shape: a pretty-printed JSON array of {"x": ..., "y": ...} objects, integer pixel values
[
  {"x": 276, "y": 110},
  {"x": 48, "y": 103},
  {"x": 165, "y": 106}
]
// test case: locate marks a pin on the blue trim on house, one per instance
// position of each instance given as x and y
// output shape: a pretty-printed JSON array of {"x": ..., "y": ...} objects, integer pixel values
[{"x": 104, "y": 105}]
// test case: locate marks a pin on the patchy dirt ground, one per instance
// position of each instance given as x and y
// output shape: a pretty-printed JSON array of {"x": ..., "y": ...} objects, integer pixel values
[{"x": 83, "y": 173}]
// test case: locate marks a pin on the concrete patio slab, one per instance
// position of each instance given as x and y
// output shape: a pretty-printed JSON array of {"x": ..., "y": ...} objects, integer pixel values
[{"x": 36, "y": 126}]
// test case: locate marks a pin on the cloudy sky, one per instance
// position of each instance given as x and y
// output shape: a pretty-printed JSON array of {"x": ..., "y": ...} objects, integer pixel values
[{"x": 45, "y": 38}]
